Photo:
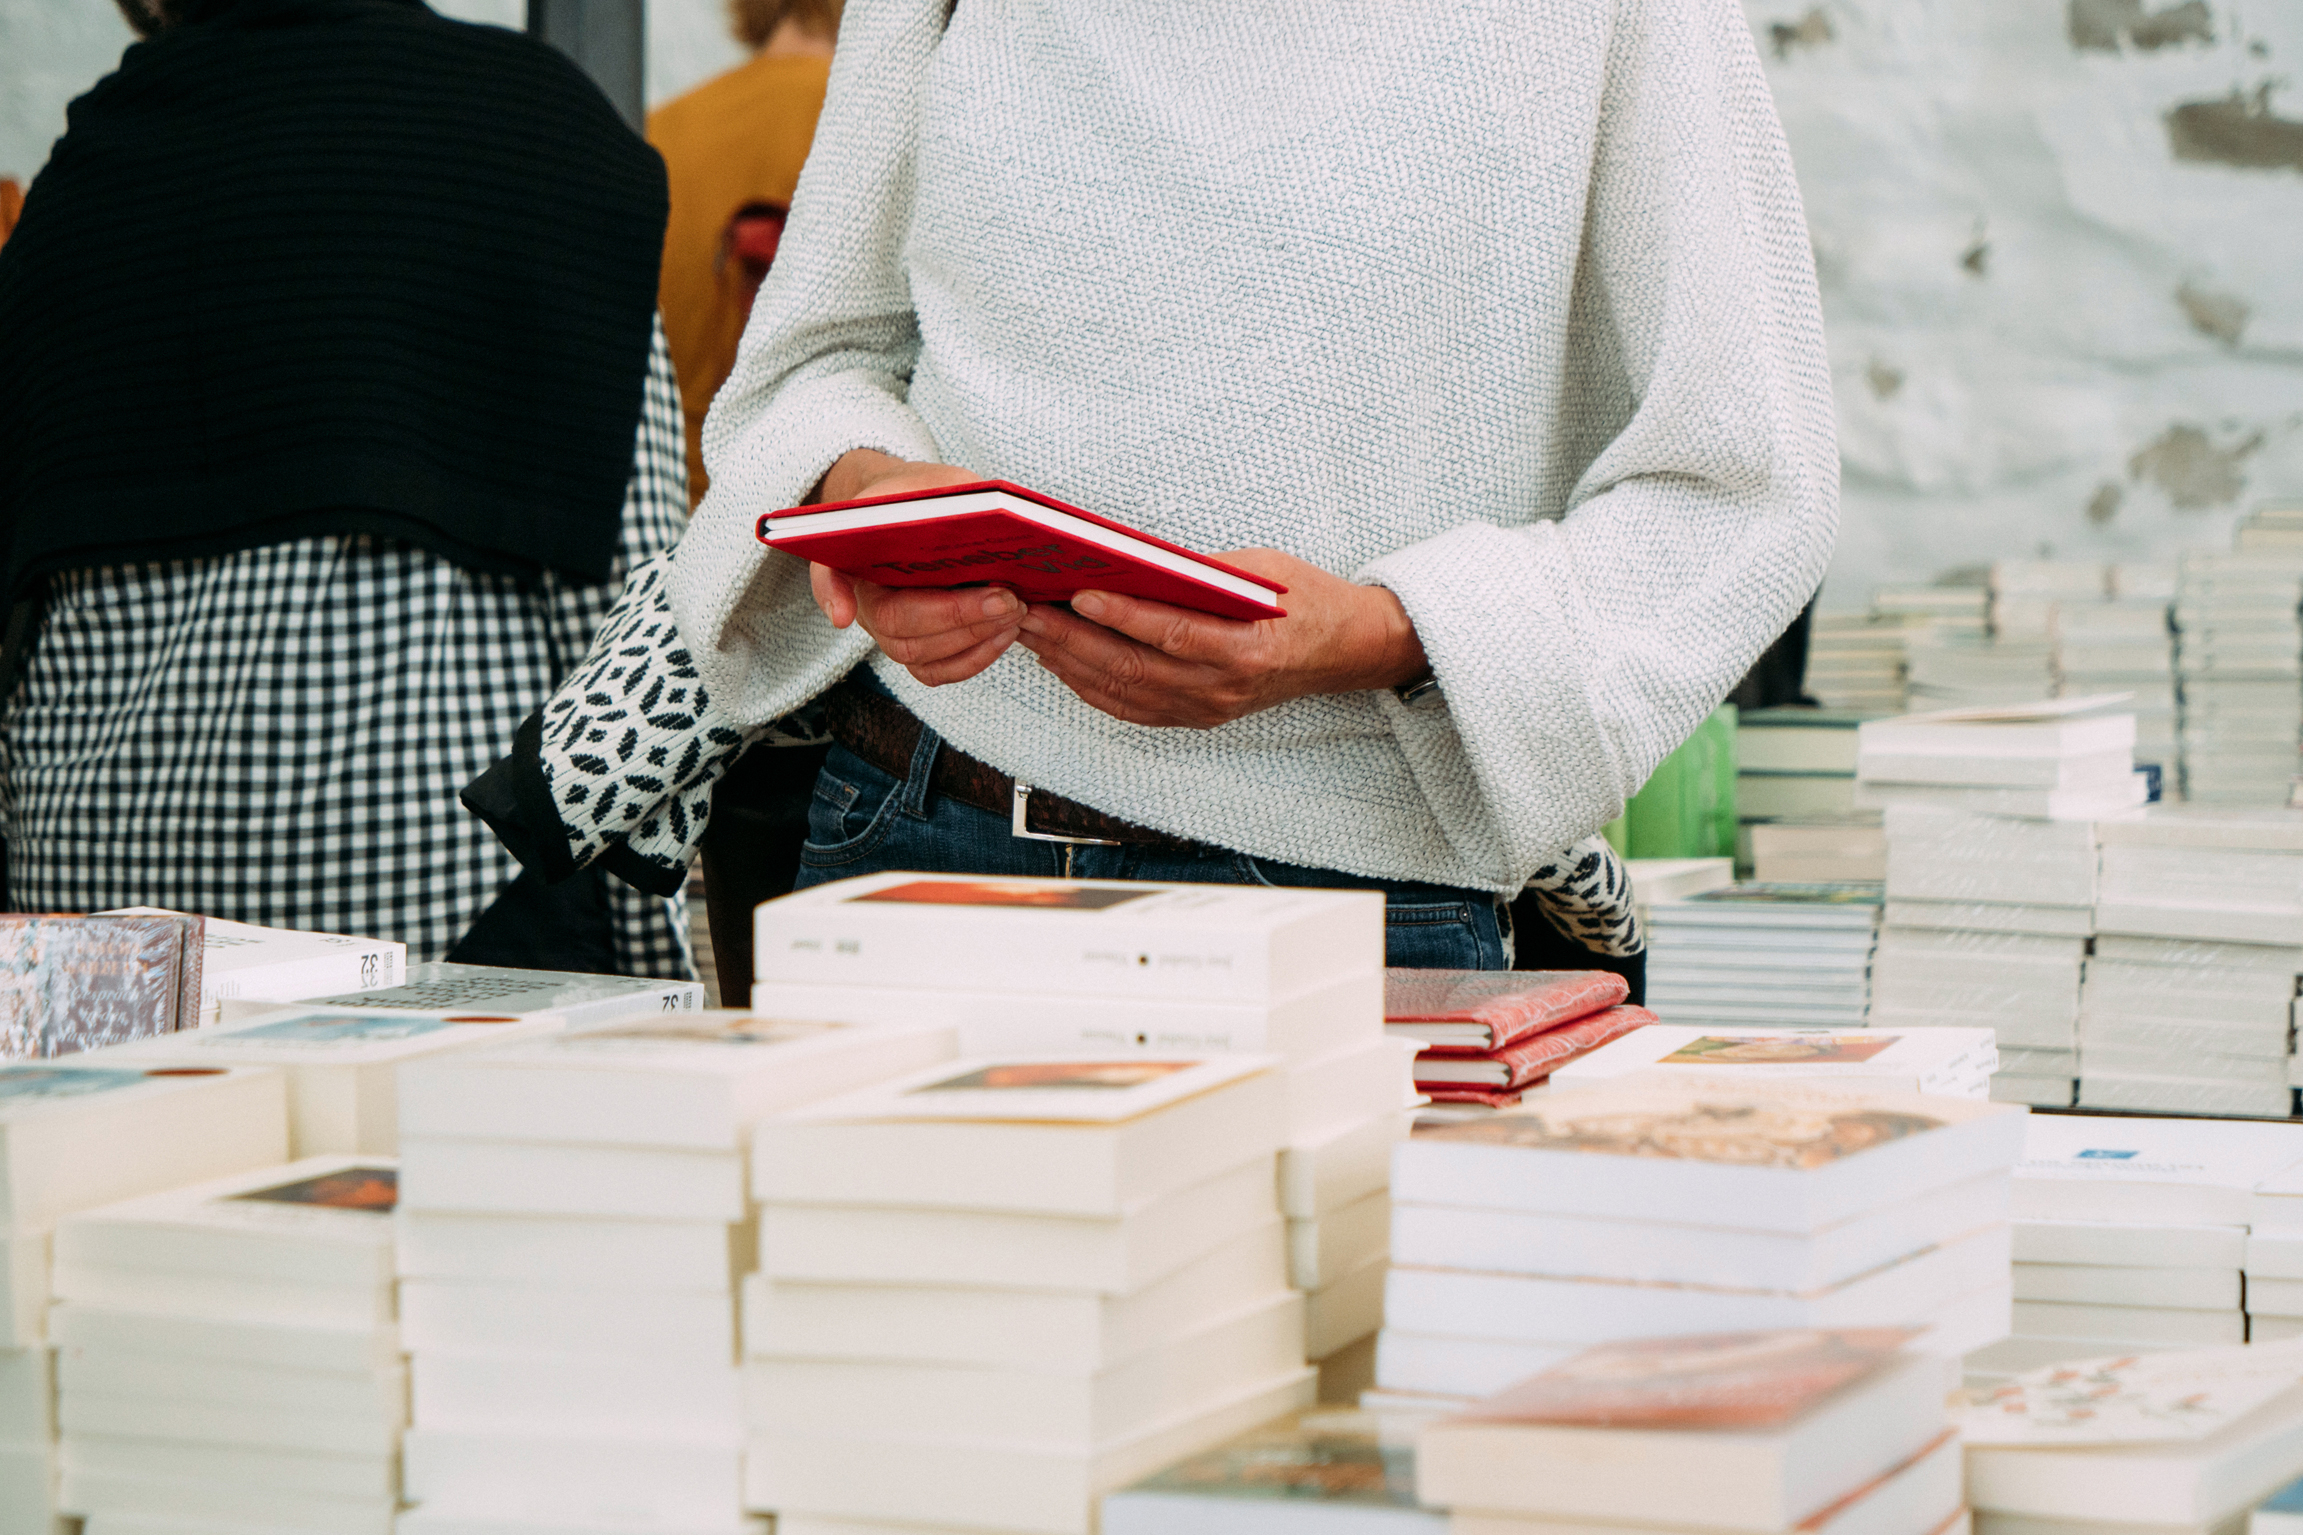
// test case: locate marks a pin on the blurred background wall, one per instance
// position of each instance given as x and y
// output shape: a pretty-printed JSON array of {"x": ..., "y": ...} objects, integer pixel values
[{"x": 2060, "y": 241}]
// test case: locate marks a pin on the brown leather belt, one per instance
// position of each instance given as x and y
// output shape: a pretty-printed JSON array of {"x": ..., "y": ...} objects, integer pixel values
[{"x": 885, "y": 734}]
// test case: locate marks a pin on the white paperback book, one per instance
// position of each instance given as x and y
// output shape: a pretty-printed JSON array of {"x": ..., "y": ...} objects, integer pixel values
[
  {"x": 1093, "y": 1136},
  {"x": 340, "y": 1066},
  {"x": 1781, "y": 1156},
  {"x": 270, "y": 964},
  {"x": 2188, "y": 1171},
  {"x": 1921, "y": 1061},
  {"x": 688, "y": 1083},
  {"x": 1217, "y": 943},
  {"x": 443, "y": 988},
  {"x": 76, "y": 1132},
  {"x": 322, "y": 1221}
]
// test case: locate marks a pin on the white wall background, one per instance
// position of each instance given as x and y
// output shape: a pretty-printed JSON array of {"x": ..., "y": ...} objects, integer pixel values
[
  {"x": 52, "y": 50},
  {"x": 2061, "y": 250},
  {"x": 2051, "y": 331}
]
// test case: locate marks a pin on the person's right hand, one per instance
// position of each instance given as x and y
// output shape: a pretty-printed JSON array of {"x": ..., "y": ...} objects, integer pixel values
[{"x": 937, "y": 636}]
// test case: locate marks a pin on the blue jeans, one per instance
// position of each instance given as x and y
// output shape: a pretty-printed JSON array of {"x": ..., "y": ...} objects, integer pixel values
[{"x": 862, "y": 821}]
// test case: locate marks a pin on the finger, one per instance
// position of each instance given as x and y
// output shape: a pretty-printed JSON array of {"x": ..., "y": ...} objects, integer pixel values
[
  {"x": 1174, "y": 631},
  {"x": 1125, "y": 664},
  {"x": 912, "y": 612},
  {"x": 1164, "y": 710},
  {"x": 966, "y": 664},
  {"x": 834, "y": 593}
]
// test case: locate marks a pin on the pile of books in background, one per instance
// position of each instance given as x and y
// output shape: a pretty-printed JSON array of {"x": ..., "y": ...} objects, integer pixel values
[
  {"x": 1948, "y": 673},
  {"x": 2026, "y": 595},
  {"x": 2188, "y": 1002},
  {"x": 1855, "y": 662},
  {"x": 1760, "y": 953},
  {"x": 1487, "y": 1037},
  {"x": 1651, "y": 1208},
  {"x": 1946, "y": 1063},
  {"x": 1935, "y": 612},
  {"x": 1795, "y": 798},
  {"x": 1991, "y": 872},
  {"x": 2130, "y": 1234},
  {"x": 2239, "y": 662},
  {"x": 2123, "y": 645}
]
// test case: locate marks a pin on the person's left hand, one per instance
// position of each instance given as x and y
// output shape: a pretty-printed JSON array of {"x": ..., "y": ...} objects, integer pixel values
[{"x": 1153, "y": 664}]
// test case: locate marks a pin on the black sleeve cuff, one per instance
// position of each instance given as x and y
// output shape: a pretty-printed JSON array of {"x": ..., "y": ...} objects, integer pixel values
[{"x": 516, "y": 802}]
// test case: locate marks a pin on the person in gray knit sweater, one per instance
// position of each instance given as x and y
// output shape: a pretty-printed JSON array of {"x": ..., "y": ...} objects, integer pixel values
[{"x": 1490, "y": 330}]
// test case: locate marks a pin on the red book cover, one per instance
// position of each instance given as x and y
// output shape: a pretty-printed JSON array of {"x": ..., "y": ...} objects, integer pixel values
[
  {"x": 1741, "y": 1380},
  {"x": 1477, "y": 1012},
  {"x": 1532, "y": 1058},
  {"x": 992, "y": 533},
  {"x": 1458, "y": 1093}
]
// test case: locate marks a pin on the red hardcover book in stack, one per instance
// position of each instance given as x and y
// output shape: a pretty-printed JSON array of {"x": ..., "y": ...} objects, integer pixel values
[
  {"x": 1487, "y": 1036},
  {"x": 991, "y": 533}
]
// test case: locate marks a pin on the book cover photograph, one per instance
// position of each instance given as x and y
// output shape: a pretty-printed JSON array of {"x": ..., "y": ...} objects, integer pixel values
[
  {"x": 1742, "y": 1134},
  {"x": 321, "y": 1030},
  {"x": 1087, "y": 1089},
  {"x": 34, "y": 1084},
  {"x": 1057, "y": 1076},
  {"x": 2139, "y": 1398},
  {"x": 741, "y": 1029},
  {"x": 1328, "y": 1456},
  {"x": 1746, "y": 1380},
  {"x": 1779, "y": 1050},
  {"x": 372, "y": 1190},
  {"x": 996, "y": 893}
]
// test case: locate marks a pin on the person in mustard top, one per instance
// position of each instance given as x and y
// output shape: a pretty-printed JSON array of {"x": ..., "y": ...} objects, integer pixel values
[{"x": 733, "y": 148}]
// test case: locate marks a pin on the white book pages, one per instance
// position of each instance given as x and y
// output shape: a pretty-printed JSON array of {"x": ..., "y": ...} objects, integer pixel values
[
  {"x": 265, "y": 1426},
  {"x": 1780, "y": 1156},
  {"x": 24, "y": 1287},
  {"x": 210, "y": 1478},
  {"x": 27, "y": 1396},
  {"x": 1332, "y": 1015},
  {"x": 666, "y": 1396},
  {"x": 1027, "y": 1406},
  {"x": 423, "y": 1521},
  {"x": 520, "y": 1321},
  {"x": 2185, "y": 1287},
  {"x": 2100, "y": 771},
  {"x": 2133, "y": 1326},
  {"x": 2275, "y": 1297},
  {"x": 2274, "y": 1255},
  {"x": 322, "y": 1221},
  {"x": 79, "y": 1133},
  {"x": 2193, "y": 1172},
  {"x": 2049, "y": 728},
  {"x": 1321, "y": 1175},
  {"x": 1649, "y": 1252},
  {"x": 548, "y": 1250},
  {"x": 2124, "y": 1244},
  {"x": 379, "y": 1392},
  {"x": 1339, "y": 1315},
  {"x": 574, "y": 1478},
  {"x": 1324, "y": 1249},
  {"x": 2019, "y": 1029},
  {"x": 1181, "y": 942},
  {"x": 1548, "y": 1310},
  {"x": 2221, "y": 830},
  {"x": 2036, "y": 1092},
  {"x": 1434, "y": 1364},
  {"x": 1979, "y": 914},
  {"x": 1079, "y": 1330},
  {"x": 1115, "y": 1257},
  {"x": 1170, "y": 1125},
  {"x": 2095, "y": 802},
  {"x": 202, "y": 1342},
  {"x": 2201, "y": 957},
  {"x": 953, "y": 1479},
  {"x": 686, "y": 1083},
  {"x": 227, "y": 1298},
  {"x": 29, "y": 1495},
  {"x": 1347, "y": 1089},
  {"x": 613, "y": 1182},
  {"x": 2040, "y": 1063},
  {"x": 440, "y": 989},
  {"x": 2170, "y": 1095}
]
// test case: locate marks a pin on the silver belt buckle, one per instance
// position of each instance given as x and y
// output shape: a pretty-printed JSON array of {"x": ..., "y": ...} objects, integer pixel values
[{"x": 1022, "y": 802}]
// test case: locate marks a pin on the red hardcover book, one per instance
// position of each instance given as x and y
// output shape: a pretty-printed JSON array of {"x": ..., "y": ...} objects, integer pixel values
[
  {"x": 991, "y": 533},
  {"x": 1477, "y": 1012},
  {"x": 1532, "y": 1058}
]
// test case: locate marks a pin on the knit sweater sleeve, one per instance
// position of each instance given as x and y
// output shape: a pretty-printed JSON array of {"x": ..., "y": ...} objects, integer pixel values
[
  {"x": 824, "y": 368},
  {"x": 1574, "y": 654}
]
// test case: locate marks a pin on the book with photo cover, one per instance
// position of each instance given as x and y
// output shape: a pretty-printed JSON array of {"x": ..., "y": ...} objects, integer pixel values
[
  {"x": 319, "y": 1221},
  {"x": 77, "y": 1135},
  {"x": 1952, "y": 1061},
  {"x": 500, "y": 991},
  {"x": 240, "y": 959},
  {"x": 72, "y": 983},
  {"x": 1282, "y": 1478},
  {"x": 1533, "y": 1057},
  {"x": 995, "y": 533},
  {"x": 1470, "y": 1012}
]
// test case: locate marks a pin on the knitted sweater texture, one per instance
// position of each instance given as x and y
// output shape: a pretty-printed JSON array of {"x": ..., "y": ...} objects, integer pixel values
[{"x": 1506, "y": 307}]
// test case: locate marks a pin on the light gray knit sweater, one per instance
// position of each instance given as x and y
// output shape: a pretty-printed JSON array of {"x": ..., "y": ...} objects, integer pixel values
[{"x": 1505, "y": 305}]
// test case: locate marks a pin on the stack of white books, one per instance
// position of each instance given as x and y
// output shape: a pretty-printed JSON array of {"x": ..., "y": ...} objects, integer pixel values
[
  {"x": 1328, "y": 1470},
  {"x": 2025, "y": 594},
  {"x": 1766, "y": 1433},
  {"x": 340, "y": 1064},
  {"x": 1650, "y": 1208},
  {"x": 995, "y": 1290},
  {"x": 2052, "y": 759},
  {"x": 2239, "y": 666},
  {"x": 2123, "y": 646},
  {"x": 2270, "y": 525},
  {"x": 2132, "y": 579},
  {"x": 1675, "y": 879},
  {"x": 2187, "y": 999},
  {"x": 1957, "y": 673},
  {"x": 1795, "y": 764},
  {"x": 1756, "y": 953},
  {"x": 1855, "y": 661},
  {"x": 1957, "y": 612},
  {"x": 1141, "y": 967},
  {"x": 1838, "y": 850},
  {"x": 2172, "y": 1443},
  {"x": 72, "y": 1137},
  {"x": 1950, "y": 1063},
  {"x": 573, "y": 1217},
  {"x": 2274, "y": 1258},
  {"x": 2130, "y": 1234},
  {"x": 494, "y": 993},
  {"x": 242, "y": 961},
  {"x": 227, "y": 1354}
]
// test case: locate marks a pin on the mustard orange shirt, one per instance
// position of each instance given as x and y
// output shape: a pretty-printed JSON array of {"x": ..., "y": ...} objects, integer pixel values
[{"x": 735, "y": 140}]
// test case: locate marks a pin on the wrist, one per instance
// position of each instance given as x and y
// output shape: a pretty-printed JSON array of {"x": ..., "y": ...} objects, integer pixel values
[
  {"x": 1393, "y": 653},
  {"x": 851, "y": 476}
]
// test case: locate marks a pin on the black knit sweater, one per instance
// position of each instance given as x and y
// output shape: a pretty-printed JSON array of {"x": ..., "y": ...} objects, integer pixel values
[{"x": 327, "y": 266}]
